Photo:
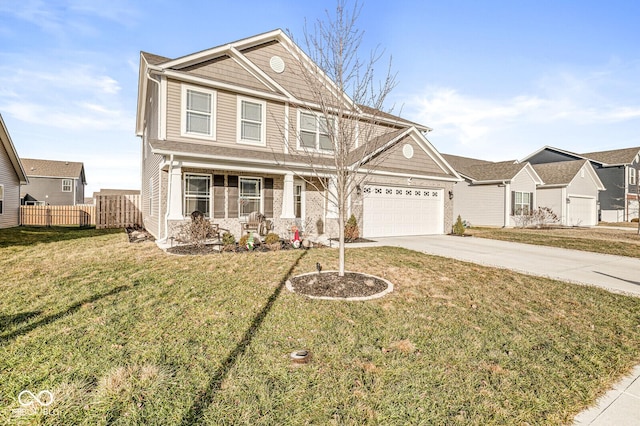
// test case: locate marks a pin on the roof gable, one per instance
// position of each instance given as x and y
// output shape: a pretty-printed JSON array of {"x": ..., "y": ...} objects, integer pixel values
[
  {"x": 54, "y": 169},
  {"x": 10, "y": 148},
  {"x": 615, "y": 156},
  {"x": 563, "y": 173}
]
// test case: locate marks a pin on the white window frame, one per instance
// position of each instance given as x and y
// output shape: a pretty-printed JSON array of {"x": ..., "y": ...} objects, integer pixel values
[
  {"x": 632, "y": 176},
  {"x": 70, "y": 185},
  {"x": 241, "y": 197},
  {"x": 263, "y": 121},
  {"x": 299, "y": 184},
  {"x": 185, "y": 195},
  {"x": 318, "y": 118},
  {"x": 183, "y": 112},
  {"x": 1, "y": 199},
  {"x": 522, "y": 203}
]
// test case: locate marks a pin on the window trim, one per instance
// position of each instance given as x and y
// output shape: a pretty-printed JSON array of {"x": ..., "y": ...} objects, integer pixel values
[
  {"x": 1, "y": 199},
  {"x": 633, "y": 178},
  {"x": 318, "y": 116},
  {"x": 522, "y": 204},
  {"x": 70, "y": 185},
  {"x": 263, "y": 123},
  {"x": 260, "y": 197},
  {"x": 183, "y": 112},
  {"x": 299, "y": 184},
  {"x": 184, "y": 193}
]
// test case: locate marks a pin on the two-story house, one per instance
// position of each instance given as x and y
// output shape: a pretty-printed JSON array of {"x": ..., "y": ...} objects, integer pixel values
[
  {"x": 617, "y": 170},
  {"x": 54, "y": 183},
  {"x": 235, "y": 129},
  {"x": 12, "y": 175}
]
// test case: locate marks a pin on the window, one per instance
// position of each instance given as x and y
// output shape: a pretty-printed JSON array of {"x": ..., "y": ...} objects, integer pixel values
[
  {"x": 297, "y": 200},
  {"x": 1, "y": 199},
  {"x": 632, "y": 176},
  {"x": 522, "y": 203},
  {"x": 249, "y": 195},
  {"x": 67, "y": 184},
  {"x": 251, "y": 121},
  {"x": 314, "y": 132},
  {"x": 197, "y": 194},
  {"x": 198, "y": 112}
]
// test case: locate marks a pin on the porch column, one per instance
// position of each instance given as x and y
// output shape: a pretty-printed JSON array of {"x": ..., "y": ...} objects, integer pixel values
[
  {"x": 175, "y": 194},
  {"x": 507, "y": 205},
  {"x": 287, "y": 197}
]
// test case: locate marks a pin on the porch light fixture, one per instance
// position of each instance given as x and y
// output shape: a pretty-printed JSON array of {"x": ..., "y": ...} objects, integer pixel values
[
  {"x": 408, "y": 181},
  {"x": 451, "y": 195},
  {"x": 568, "y": 200},
  {"x": 358, "y": 190}
]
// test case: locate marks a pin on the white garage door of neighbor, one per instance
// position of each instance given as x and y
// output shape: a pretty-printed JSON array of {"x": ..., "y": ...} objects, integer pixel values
[
  {"x": 395, "y": 211},
  {"x": 582, "y": 211}
]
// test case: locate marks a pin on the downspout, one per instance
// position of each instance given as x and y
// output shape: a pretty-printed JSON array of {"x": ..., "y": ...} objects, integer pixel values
[
  {"x": 169, "y": 190},
  {"x": 507, "y": 202}
]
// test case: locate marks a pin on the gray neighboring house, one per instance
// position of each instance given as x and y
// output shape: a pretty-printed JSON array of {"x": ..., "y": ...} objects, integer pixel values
[
  {"x": 55, "y": 183},
  {"x": 230, "y": 130},
  {"x": 618, "y": 172},
  {"x": 12, "y": 175},
  {"x": 493, "y": 194},
  {"x": 571, "y": 190}
]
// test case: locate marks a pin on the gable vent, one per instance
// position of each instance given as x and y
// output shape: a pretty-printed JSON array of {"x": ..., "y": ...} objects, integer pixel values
[{"x": 277, "y": 64}]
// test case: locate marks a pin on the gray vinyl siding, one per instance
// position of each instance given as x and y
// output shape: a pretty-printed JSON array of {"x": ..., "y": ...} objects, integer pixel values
[
  {"x": 583, "y": 186},
  {"x": 613, "y": 179},
  {"x": 150, "y": 171},
  {"x": 523, "y": 182},
  {"x": 481, "y": 205},
  {"x": 554, "y": 199},
  {"x": 49, "y": 190},
  {"x": 548, "y": 156},
  {"x": 11, "y": 201}
]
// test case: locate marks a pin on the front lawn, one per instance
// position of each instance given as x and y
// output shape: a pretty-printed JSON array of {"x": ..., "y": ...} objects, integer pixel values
[
  {"x": 599, "y": 240},
  {"x": 123, "y": 333}
]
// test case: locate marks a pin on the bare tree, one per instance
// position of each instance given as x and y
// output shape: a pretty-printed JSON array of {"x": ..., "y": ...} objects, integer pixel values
[{"x": 347, "y": 98}]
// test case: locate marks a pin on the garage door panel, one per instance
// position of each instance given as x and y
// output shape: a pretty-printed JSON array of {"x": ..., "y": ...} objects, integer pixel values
[
  {"x": 396, "y": 211},
  {"x": 582, "y": 211}
]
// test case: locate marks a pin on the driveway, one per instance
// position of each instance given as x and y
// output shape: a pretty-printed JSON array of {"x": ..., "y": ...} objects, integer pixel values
[{"x": 615, "y": 273}]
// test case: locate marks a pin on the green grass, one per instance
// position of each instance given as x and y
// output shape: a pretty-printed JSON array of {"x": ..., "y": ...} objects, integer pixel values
[
  {"x": 126, "y": 334},
  {"x": 598, "y": 240}
]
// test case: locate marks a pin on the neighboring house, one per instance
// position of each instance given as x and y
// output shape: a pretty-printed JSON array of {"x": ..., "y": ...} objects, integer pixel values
[
  {"x": 225, "y": 131},
  {"x": 493, "y": 194},
  {"x": 55, "y": 183},
  {"x": 12, "y": 175},
  {"x": 571, "y": 191},
  {"x": 617, "y": 170}
]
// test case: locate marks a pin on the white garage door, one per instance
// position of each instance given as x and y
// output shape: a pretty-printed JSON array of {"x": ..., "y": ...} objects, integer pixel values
[
  {"x": 395, "y": 211},
  {"x": 582, "y": 211}
]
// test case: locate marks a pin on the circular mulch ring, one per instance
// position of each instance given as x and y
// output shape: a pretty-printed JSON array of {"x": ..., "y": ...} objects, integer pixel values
[{"x": 330, "y": 286}]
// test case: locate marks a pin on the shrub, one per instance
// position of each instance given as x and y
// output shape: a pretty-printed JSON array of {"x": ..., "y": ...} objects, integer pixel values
[
  {"x": 272, "y": 241},
  {"x": 635, "y": 220},
  {"x": 351, "y": 231},
  {"x": 458, "y": 227},
  {"x": 228, "y": 241},
  {"x": 242, "y": 242},
  {"x": 197, "y": 231}
]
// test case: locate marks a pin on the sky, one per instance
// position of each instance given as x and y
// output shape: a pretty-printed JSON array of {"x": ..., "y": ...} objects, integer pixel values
[{"x": 494, "y": 79}]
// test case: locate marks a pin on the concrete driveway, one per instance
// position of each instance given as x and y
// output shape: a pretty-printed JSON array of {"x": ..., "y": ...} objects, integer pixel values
[{"x": 615, "y": 273}]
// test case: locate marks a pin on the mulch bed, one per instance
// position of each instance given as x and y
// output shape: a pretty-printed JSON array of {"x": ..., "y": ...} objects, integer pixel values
[
  {"x": 191, "y": 249},
  {"x": 329, "y": 284},
  {"x": 354, "y": 240},
  {"x": 137, "y": 234}
]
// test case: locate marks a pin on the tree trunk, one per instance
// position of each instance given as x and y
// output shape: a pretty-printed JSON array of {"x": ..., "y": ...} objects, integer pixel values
[{"x": 341, "y": 245}]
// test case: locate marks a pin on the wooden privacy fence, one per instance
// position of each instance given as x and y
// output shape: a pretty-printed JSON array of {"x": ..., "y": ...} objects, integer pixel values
[
  {"x": 80, "y": 215},
  {"x": 118, "y": 211},
  {"x": 109, "y": 211}
]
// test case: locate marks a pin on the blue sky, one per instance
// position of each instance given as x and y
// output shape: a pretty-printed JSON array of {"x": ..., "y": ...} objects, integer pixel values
[{"x": 495, "y": 79}]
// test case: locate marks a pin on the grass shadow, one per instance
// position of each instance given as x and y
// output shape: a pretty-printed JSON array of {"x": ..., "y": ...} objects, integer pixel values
[
  {"x": 59, "y": 315},
  {"x": 618, "y": 278},
  {"x": 6, "y": 321},
  {"x": 205, "y": 398}
]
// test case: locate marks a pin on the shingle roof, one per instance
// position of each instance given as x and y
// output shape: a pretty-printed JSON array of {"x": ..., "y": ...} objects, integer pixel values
[
  {"x": 615, "y": 156},
  {"x": 154, "y": 59},
  {"x": 481, "y": 170},
  {"x": 561, "y": 173},
  {"x": 52, "y": 168}
]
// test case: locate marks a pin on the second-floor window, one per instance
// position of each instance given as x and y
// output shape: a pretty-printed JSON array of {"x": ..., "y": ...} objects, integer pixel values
[
  {"x": 632, "y": 176},
  {"x": 251, "y": 121},
  {"x": 198, "y": 109},
  {"x": 314, "y": 132},
  {"x": 67, "y": 185}
]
